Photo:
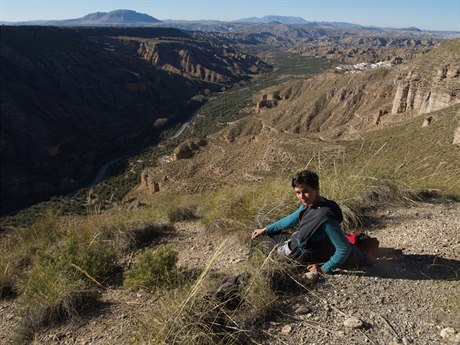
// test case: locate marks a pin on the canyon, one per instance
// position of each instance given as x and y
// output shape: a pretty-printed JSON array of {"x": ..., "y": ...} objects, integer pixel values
[{"x": 74, "y": 97}]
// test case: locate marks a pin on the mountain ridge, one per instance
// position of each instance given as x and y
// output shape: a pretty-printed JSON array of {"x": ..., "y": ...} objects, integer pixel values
[
  {"x": 273, "y": 18},
  {"x": 119, "y": 17},
  {"x": 126, "y": 17}
]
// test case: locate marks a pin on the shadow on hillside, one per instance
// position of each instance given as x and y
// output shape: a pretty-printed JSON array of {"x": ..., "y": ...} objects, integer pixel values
[{"x": 394, "y": 264}]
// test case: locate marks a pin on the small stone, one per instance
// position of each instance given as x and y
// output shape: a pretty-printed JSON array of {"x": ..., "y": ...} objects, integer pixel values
[
  {"x": 397, "y": 341},
  {"x": 353, "y": 322},
  {"x": 457, "y": 338},
  {"x": 448, "y": 332},
  {"x": 302, "y": 310},
  {"x": 238, "y": 260},
  {"x": 286, "y": 329},
  {"x": 311, "y": 276}
]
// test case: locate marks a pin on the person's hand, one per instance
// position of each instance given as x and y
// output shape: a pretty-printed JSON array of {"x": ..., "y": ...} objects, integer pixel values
[
  {"x": 314, "y": 268},
  {"x": 258, "y": 232}
]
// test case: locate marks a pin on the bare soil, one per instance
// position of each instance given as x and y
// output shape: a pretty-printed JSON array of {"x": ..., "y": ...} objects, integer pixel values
[{"x": 411, "y": 295}]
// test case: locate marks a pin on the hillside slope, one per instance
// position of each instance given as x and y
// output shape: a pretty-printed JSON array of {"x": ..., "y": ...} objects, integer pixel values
[
  {"x": 292, "y": 123},
  {"x": 72, "y": 98},
  {"x": 344, "y": 105},
  {"x": 399, "y": 180},
  {"x": 410, "y": 296}
]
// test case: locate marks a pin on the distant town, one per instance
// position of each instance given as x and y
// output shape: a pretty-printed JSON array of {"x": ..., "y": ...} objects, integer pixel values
[{"x": 364, "y": 66}]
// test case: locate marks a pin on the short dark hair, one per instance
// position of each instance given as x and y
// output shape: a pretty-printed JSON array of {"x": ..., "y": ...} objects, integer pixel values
[{"x": 308, "y": 177}]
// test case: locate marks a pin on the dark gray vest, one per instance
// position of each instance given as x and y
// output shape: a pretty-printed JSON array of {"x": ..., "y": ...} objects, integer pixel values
[{"x": 311, "y": 219}]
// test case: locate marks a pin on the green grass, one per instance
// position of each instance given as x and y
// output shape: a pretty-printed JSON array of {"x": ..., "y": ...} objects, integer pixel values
[{"x": 298, "y": 66}]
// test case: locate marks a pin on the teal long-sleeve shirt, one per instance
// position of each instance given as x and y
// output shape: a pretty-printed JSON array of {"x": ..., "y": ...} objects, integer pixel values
[{"x": 330, "y": 228}]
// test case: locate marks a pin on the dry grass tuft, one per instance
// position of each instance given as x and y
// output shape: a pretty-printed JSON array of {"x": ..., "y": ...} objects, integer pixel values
[
  {"x": 224, "y": 311},
  {"x": 181, "y": 214},
  {"x": 130, "y": 237},
  {"x": 43, "y": 314},
  {"x": 52, "y": 295}
]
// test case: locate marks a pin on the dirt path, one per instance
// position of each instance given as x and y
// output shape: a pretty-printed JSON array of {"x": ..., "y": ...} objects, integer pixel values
[{"x": 411, "y": 296}]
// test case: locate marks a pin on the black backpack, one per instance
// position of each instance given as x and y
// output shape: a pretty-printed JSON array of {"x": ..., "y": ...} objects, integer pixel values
[{"x": 368, "y": 246}]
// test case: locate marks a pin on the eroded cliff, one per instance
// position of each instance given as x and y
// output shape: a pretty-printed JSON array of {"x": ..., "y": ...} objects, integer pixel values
[{"x": 334, "y": 105}]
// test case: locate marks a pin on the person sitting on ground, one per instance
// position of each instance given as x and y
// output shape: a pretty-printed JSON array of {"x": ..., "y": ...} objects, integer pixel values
[{"x": 319, "y": 238}]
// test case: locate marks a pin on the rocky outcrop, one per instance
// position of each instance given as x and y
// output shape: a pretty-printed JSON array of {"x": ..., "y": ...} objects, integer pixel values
[
  {"x": 203, "y": 61},
  {"x": 271, "y": 100},
  {"x": 414, "y": 92},
  {"x": 188, "y": 149},
  {"x": 153, "y": 181},
  {"x": 456, "y": 140}
]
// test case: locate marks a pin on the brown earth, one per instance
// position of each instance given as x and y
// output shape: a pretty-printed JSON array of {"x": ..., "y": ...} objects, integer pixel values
[{"x": 410, "y": 296}]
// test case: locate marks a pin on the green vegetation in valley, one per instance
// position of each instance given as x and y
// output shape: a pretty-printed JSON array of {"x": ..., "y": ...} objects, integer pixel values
[
  {"x": 297, "y": 66},
  {"x": 232, "y": 105}
]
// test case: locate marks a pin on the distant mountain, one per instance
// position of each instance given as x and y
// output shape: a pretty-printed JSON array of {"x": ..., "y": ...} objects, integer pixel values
[
  {"x": 294, "y": 21},
  {"x": 113, "y": 18},
  {"x": 118, "y": 17},
  {"x": 271, "y": 19},
  {"x": 412, "y": 28},
  {"x": 343, "y": 25}
]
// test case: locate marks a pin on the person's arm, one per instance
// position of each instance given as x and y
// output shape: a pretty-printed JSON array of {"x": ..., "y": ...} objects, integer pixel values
[
  {"x": 341, "y": 244},
  {"x": 277, "y": 227},
  {"x": 284, "y": 223}
]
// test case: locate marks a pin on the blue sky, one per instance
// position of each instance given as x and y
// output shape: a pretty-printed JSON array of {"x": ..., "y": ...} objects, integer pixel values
[{"x": 424, "y": 14}]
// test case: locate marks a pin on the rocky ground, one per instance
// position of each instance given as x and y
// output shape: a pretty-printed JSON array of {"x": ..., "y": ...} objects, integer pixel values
[{"x": 411, "y": 296}]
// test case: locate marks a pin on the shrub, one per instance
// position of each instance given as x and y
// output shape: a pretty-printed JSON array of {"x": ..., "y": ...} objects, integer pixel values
[
  {"x": 95, "y": 260},
  {"x": 153, "y": 269}
]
